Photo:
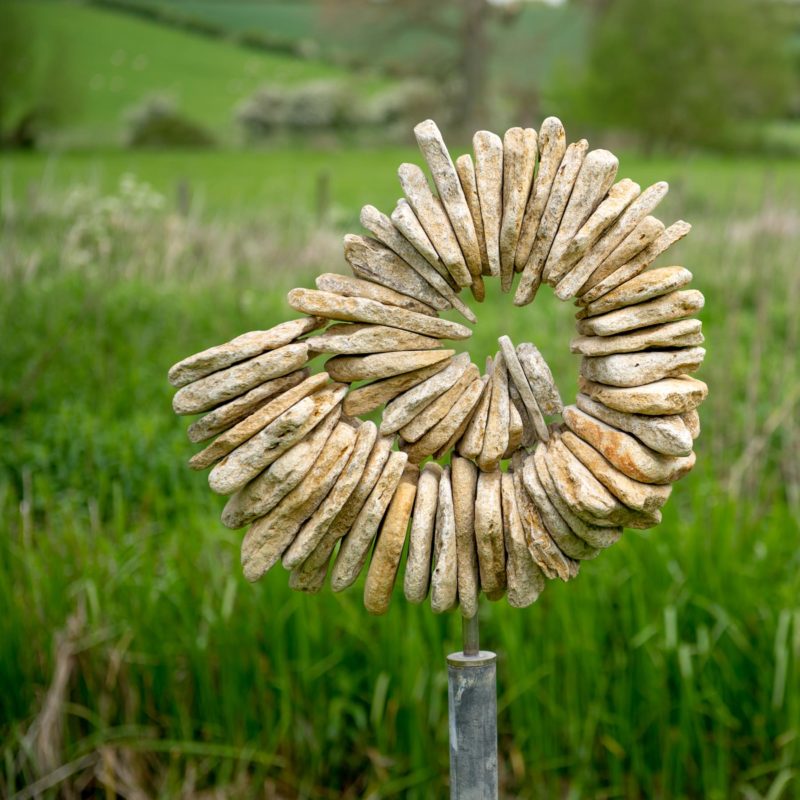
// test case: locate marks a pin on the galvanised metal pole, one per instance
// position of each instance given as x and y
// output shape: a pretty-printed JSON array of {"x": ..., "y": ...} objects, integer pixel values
[{"x": 472, "y": 704}]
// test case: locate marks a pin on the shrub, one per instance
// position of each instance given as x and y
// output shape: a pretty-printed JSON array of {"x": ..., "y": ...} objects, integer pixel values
[{"x": 157, "y": 122}]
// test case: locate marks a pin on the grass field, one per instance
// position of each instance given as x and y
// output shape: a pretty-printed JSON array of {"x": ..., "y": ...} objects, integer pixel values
[{"x": 670, "y": 669}]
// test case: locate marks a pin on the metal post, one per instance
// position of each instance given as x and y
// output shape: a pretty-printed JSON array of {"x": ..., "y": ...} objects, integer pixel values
[{"x": 472, "y": 703}]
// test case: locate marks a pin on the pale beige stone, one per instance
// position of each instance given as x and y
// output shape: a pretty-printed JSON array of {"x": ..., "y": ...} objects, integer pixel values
[
  {"x": 519, "y": 163},
  {"x": 540, "y": 378},
  {"x": 268, "y": 537},
  {"x": 349, "y": 286},
  {"x": 229, "y": 414},
  {"x": 469, "y": 184},
  {"x": 692, "y": 421},
  {"x": 357, "y": 339},
  {"x": 354, "y": 549},
  {"x": 644, "y": 286},
  {"x": 636, "y": 369},
  {"x": 349, "y": 369},
  {"x": 639, "y": 263},
  {"x": 528, "y": 433},
  {"x": 668, "y": 396},
  {"x": 626, "y": 452},
  {"x": 464, "y": 483},
  {"x": 489, "y": 534},
  {"x": 258, "y": 452},
  {"x": 681, "y": 333},
  {"x": 389, "y": 544},
  {"x": 416, "y": 580},
  {"x": 495, "y": 439},
  {"x": 525, "y": 580},
  {"x": 239, "y": 349},
  {"x": 666, "y": 434},
  {"x": 360, "y": 309},
  {"x": 552, "y": 144},
  {"x": 444, "y": 580},
  {"x": 471, "y": 443},
  {"x": 520, "y": 381},
  {"x": 488, "y": 149},
  {"x": 515, "y": 428},
  {"x": 466, "y": 410},
  {"x": 219, "y": 387}
]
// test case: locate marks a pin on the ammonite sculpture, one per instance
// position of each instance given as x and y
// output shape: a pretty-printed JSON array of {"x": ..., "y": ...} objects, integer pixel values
[{"x": 521, "y": 500}]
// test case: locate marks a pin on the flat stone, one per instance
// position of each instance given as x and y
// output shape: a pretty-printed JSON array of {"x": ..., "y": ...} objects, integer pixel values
[
  {"x": 595, "y": 178},
  {"x": 349, "y": 369},
  {"x": 349, "y": 286},
  {"x": 360, "y": 309},
  {"x": 444, "y": 581},
  {"x": 626, "y": 452},
  {"x": 681, "y": 333},
  {"x": 405, "y": 407},
  {"x": 552, "y": 144},
  {"x": 355, "y": 546},
  {"x": 227, "y": 415},
  {"x": 373, "y": 395},
  {"x": 644, "y": 286},
  {"x": 464, "y": 483},
  {"x": 356, "y": 339},
  {"x": 389, "y": 544},
  {"x": 635, "y": 369},
  {"x": 666, "y": 308},
  {"x": 258, "y": 452},
  {"x": 516, "y": 428},
  {"x": 268, "y": 537},
  {"x": 416, "y": 580},
  {"x": 219, "y": 387},
  {"x": 488, "y": 149},
  {"x": 264, "y": 492},
  {"x": 666, "y": 434},
  {"x": 692, "y": 421},
  {"x": 495, "y": 439},
  {"x": 540, "y": 379},
  {"x": 467, "y": 406},
  {"x": 239, "y": 349},
  {"x": 433, "y": 218},
  {"x": 519, "y": 163},
  {"x": 528, "y": 433},
  {"x": 469, "y": 184},
  {"x": 639, "y": 263},
  {"x": 646, "y": 497},
  {"x": 520, "y": 381},
  {"x": 489, "y": 534},
  {"x": 551, "y": 219},
  {"x": 668, "y": 396},
  {"x": 634, "y": 213},
  {"x": 431, "y": 144},
  {"x": 315, "y": 527},
  {"x": 525, "y": 580},
  {"x": 471, "y": 443}
]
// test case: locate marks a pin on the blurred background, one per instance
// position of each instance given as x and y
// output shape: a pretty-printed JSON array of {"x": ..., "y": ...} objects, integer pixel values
[{"x": 169, "y": 168}]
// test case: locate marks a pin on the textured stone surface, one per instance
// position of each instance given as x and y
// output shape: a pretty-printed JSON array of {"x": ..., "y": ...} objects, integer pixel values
[
  {"x": 389, "y": 544},
  {"x": 359, "y": 309},
  {"x": 356, "y": 339},
  {"x": 681, "y": 333},
  {"x": 528, "y": 432},
  {"x": 349, "y": 369},
  {"x": 464, "y": 482},
  {"x": 692, "y": 421},
  {"x": 515, "y": 428},
  {"x": 349, "y": 286},
  {"x": 540, "y": 379},
  {"x": 668, "y": 396},
  {"x": 495, "y": 439},
  {"x": 488, "y": 149},
  {"x": 239, "y": 349},
  {"x": 219, "y": 387},
  {"x": 520, "y": 381},
  {"x": 471, "y": 443},
  {"x": 489, "y": 534},
  {"x": 416, "y": 580},
  {"x": 258, "y": 452},
  {"x": 469, "y": 184},
  {"x": 444, "y": 581},
  {"x": 466, "y": 408},
  {"x": 644, "y": 286},
  {"x": 635, "y": 369}
]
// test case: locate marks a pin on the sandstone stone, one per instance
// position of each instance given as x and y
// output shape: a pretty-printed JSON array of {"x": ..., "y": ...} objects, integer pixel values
[
  {"x": 626, "y": 452},
  {"x": 552, "y": 145},
  {"x": 349, "y": 369},
  {"x": 355, "y": 546},
  {"x": 495, "y": 439},
  {"x": 420, "y": 542},
  {"x": 645, "y": 286},
  {"x": 307, "y": 581},
  {"x": 636, "y": 369},
  {"x": 488, "y": 149},
  {"x": 515, "y": 429},
  {"x": 359, "y": 309},
  {"x": 519, "y": 164},
  {"x": 681, "y": 333},
  {"x": 464, "y": 483},
  {"x": 389, "y": 544},
  {"x": 356, "y": 339},
  {"x": 239, "y": 349},
  {"x": 528, "y": 431},
  {"x": 219, "y": 387},
  {"x": 668, "y": 434},
  {"x": 444, "y": 581},
  {"x": 692, "y": 421},
  {"x": 227, "y": 415},
  {"x": 258, "y": 452},
  {"x": 471, "y": 443},
  {"x": 540, "y": 379},
  {"x": 469, "y": 184},
  {"x": 469, "y": 401},
  {"x": 668, "y": 396},
  {"x": 520, "y": 381},
  {"x": 489, "y": 534},
  {"x": 348, "y": 286}
]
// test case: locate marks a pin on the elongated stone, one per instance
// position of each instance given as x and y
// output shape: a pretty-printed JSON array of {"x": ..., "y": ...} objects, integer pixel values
[
  {"x": 489, "y": 534},
  {"x": 359, "y": 309},
  {"x": 692, "y": 421},
  {"x": 448, "y": 185},
  {"x": 636, "y": 369},
  {"x": 528, "y": 433},
  {"x": 645, "y": 286},
  {"x": 433, "y": 218},
  {"x": 519, "y": 163},
  {"x": 348, "y": 369},
  {"x": 349, "y": 286},
  {"x": 552, "y": 144},
  {"x": 389, "y": 544},
  {"x": 469, "y": 184},
  {"x": 258, "y": 452},
  {"x": 515, "y": 428},
  {"x": 444, "y": 581},
  {"x": 681, "y": 333},
  {"x": 668, "y": 396},
  {"x": 674, "y": 233},
  {"x": 219, "y": 387},
  {"x": 227, "y": 415},
  {"x": 268, "y": 537},
  {"x": 488, "y": 149},
  {"x": 540, "y": 379},
  {"x": 517, "y": 375},
  {"x": 239, "y": 349},
  {"x": 594, "y": 179},
  {"x": 646, "y": 497},
  {"x": 626, "y": 452},
  {"x": 416, "y": 580},
  {"x": 471, "y": 443},
  {"x": 359, "y": 339},
  {"x": 464, "y": 482},
  {"x": 495, "y": 439},
  {"x": 525, "y": 580},
  {"x": 667, "y": 434}
]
